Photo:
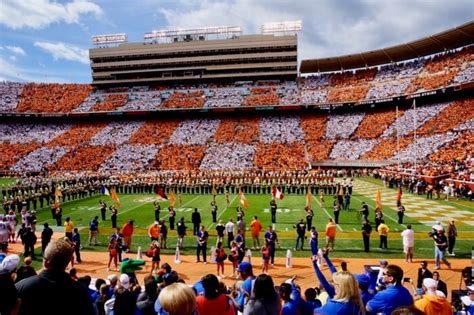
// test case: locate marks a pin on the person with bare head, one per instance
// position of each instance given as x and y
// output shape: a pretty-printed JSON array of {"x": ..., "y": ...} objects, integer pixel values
[{"x": 53, "y": 291}]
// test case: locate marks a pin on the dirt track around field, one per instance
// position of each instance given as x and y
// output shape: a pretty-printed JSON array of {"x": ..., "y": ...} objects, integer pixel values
[{"x": 95, "y": 265}]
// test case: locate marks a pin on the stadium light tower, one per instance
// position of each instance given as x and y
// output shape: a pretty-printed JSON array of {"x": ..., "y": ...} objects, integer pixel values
[
  {"x": 109, "y": 40},
  {"x": 286, "y": 27}
]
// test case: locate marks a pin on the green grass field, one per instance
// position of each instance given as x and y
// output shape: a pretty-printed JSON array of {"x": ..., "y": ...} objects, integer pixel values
[{"x": 348, "y": 240}]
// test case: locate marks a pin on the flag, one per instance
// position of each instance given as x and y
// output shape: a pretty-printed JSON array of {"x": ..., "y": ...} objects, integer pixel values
[
  {"x": 57, "y": 194},
  {"x": 399, "y": 196},
  {"x": 308, "y": 199},
  {"x": 161, "y": 194},
  {"x": 276, "y": 193},
  {"x": 213, "y": 191},
  {"x": 114, "y": 196},
  {"x": 172, "y": 198},
  {"x": 104, "y": 191},
  {"x": 378, "y": 200},
  {"x": 243, "y": 200}
]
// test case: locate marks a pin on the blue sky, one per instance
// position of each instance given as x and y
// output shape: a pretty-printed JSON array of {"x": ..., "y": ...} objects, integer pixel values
[{"x": 48, "y": 41}]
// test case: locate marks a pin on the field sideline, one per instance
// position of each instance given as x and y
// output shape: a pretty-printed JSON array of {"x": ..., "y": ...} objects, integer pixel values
[{"x": 348, "y": 240}]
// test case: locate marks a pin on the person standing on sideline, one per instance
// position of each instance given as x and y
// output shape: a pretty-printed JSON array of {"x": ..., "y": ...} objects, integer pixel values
[
  {"x": 113, "y": 217},
  {"x": 163, "y": 234},
  {"x": 309, "y": 217},
  {"x": 408, "y": 237},
  {"x": 181, "y": 229},
  {"x": 330, "y": 234},
  {"x": 214, "y": 211},
  {"x": 441, "y": 243},
  {"x": 157, "y": 206},
  {"x": 300, "y": 233},
  {"x": 154, "y": 232},
  {"x": 256, "y": 227},
  {"x": 76, "y": 241},
  {"x": 229, "y": 230},
  {"x": 400, "y": 213},
  {"x": 172, "y": 215},
  {"x": 202, "y": 237},
  {"x": 366, "y": 230},
  {"x": 313, "y": 242},
  {"x": 337, "y": 210},
  {"x": 271, "y": 238},
  {"x": 53, "y": 291},
  {"x": 273, "y": 210},
  {"x": 103, "y": 209},
  {"x": 196, "y": 220},
  {"x": 383, "y": 230},
  {"x": 364, "y": 210},
  {"x": 93, "y": 230},
  {"x": 46, "y": 235},
  {"x": 220, "y": 230},
  {"x": 452, "y": 234},
  {"x": 347, "y": 201},
  {"x": 68, "y": 228},
  {"x": 127, "y": 232}
]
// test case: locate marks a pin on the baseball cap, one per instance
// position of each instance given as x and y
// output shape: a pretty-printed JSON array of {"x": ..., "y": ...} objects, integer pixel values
[
  {"x": 244, "y": 266},
  {"x": 10, "y": 263},
  {"x": 124, "y": 280}
]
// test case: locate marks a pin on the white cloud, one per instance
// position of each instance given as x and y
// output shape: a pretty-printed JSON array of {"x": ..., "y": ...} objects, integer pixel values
[
  {"x": 330, "y": 28},
  {"x": 39, "y": 14},
  {"x": 64, "y": 51},
  {"x": 12, "y": 58},
  {"x": 16, "y": 50},
  {"x": 10, "y": 72}
]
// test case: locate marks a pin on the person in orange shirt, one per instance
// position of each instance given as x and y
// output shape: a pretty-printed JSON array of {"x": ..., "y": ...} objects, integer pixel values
[
  {"x": 127, "y": 232},
  {"x": 433, "y": 302},
  {"x": 154, "y": 232},
  {"x": 256, "y": 227},
  {"x": 330, "y": 234}
]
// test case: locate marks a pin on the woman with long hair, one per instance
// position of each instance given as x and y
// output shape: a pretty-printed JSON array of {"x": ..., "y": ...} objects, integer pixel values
[
  {"x": 346, "y": 300},
  {"x": 265, "y": 299}
]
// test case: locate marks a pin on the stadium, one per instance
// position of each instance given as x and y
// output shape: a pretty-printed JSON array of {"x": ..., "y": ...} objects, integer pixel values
[{"x": 235, "y": 126}]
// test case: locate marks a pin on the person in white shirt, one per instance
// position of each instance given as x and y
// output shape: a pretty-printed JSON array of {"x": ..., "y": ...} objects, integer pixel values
[
  {"x": 229, "y": 230},
  {"x": 408, "y": 237}
]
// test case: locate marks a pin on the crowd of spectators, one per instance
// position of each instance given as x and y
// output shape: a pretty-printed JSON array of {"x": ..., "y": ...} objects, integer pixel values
[
  {"x": 155, "y": 132},
  {"x": 38, "y": 160},
  {"x": 194, "y": 131},
  {"x": 387, "y": 148},
  {"x": 226, "y": 97},
  {"x": 262, "y": 96},
  {"x": 116, "y": 133},
  {"x": 351, "y": 149},
  {"x": 406, "y": 123},
  {"x": 40, "y": 133},
  {"x": 10, "y": 95},
  {"x": 279, "y": 156},
  {"x": 319, "y": 150},
  {"x": 244, "y": 130},
  {"x": 449, "y": 118},
  {"x": 132, "y": 157},
  {"x": 49, "y": 97},
  {"x": 178, "y": 157},
  {"x": 10, "y": 153},
  {"x": 424, "y": 146},
  {"x": 143, "y": 100},
  {"x": 343, "y": 125},
  {"x": 375, "y": 123},
  {"x": 184, "y": 99},
  {"x": 77, "y": 135},
  {"x": 237, "y": 156},
  {"x": 83, "y": 158},
  {"x": 282, "y": 129}
]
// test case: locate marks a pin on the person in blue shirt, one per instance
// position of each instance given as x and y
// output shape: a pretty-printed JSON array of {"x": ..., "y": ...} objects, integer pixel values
[
  {"x": 202, "y": 237},
  {"x": 344, "y": 296},
  {"x": 313, "y": 242},
  {"x": 393, "y": 296},
  {"x": 305, "y": 306},
  {"x": 289, "y": 306},
  {"x": 271, "y": 237},
  {"x": 364, "y": 283}
]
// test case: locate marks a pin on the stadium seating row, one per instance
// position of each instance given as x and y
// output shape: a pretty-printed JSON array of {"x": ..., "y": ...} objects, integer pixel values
[
  {"x": 392, "y": 80},
  {"x": 445, "y": 134}
]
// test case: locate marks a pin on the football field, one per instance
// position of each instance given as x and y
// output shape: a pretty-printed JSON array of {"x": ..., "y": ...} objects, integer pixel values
[{"x": 420, "y": 213}]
